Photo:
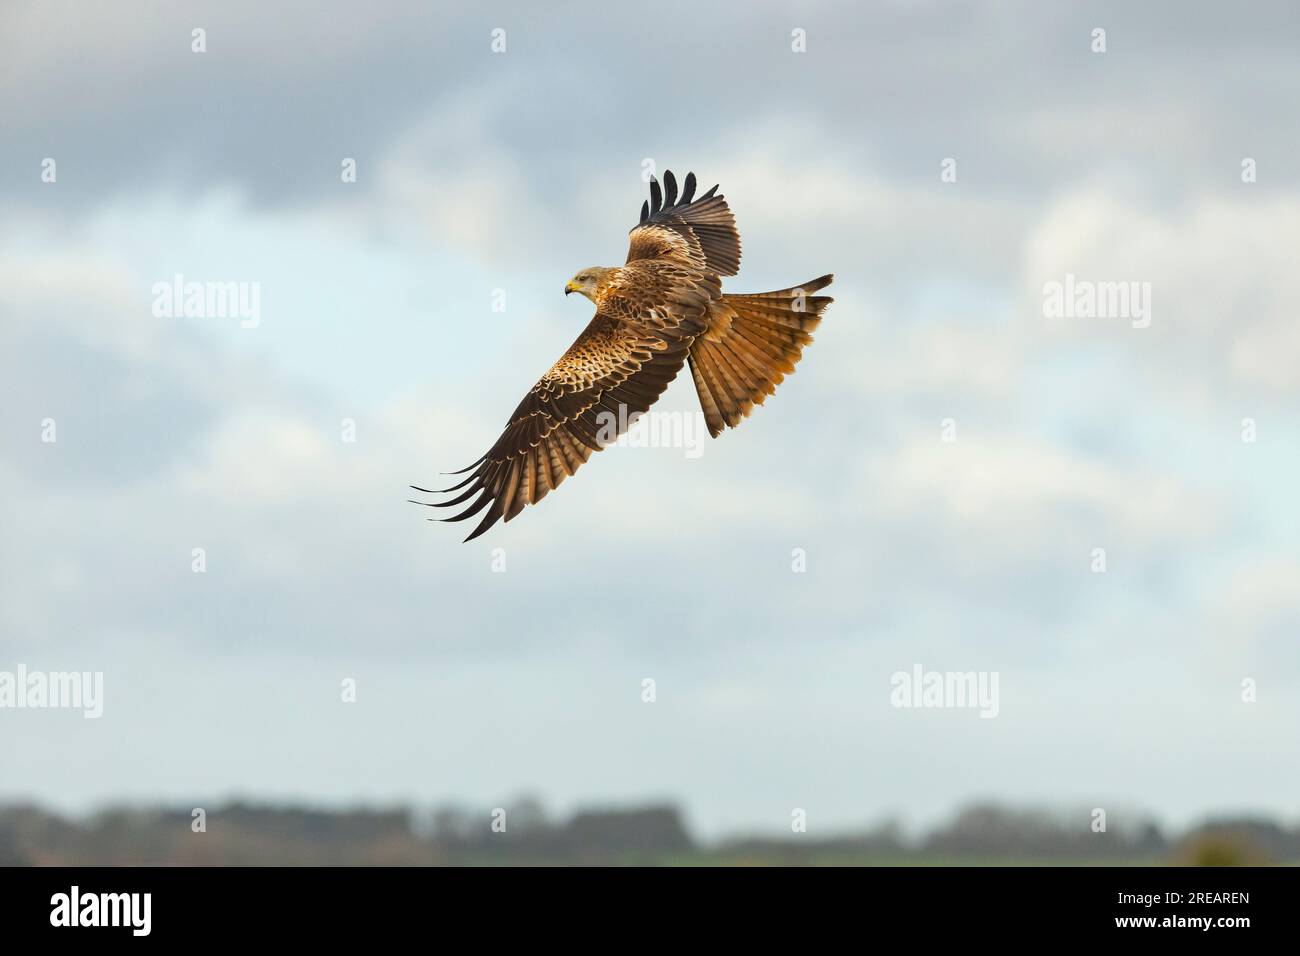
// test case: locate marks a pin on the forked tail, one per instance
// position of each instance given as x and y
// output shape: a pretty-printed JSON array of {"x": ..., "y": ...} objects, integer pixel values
[{"x": 752, "y": 343}]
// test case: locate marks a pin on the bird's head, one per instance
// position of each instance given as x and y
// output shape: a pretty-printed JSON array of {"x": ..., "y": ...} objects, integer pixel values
[{"x": 586, "y": 281}]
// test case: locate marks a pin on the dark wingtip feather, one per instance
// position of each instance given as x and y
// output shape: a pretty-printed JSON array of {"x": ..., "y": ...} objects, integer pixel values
[
  {"x": 442, "y": 491},
  {"x": 645, "y": 210},
  {"x": 477, "y": 505},
  {"x": 688, "y": 189},
  {"x": 670, "y": 188},
  {"x": 467, "y": 467},
  {"x": 711, "y": 191},
  {"x": 656, "y": 196},
  {"x": 489, "y": 519},
  {"x": 463, "y": 496}
]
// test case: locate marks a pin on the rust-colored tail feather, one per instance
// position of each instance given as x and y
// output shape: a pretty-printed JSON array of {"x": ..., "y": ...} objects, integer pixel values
[{"x": 752, "y": 343}]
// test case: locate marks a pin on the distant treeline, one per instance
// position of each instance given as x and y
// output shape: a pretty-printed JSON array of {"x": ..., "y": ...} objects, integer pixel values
[{"x": 522, "y": 833}]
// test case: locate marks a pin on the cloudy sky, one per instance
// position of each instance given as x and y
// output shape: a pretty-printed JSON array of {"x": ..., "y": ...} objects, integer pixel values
[{"x": 479, "y": 171}]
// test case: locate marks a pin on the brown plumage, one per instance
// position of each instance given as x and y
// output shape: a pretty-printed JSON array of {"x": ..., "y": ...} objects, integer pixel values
[{"x": 663, "y": 308}]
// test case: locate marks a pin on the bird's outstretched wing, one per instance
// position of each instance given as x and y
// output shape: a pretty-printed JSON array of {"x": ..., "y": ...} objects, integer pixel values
[
  {"x": 699, "y": 232},
  {"x": 621, "y": 363},
  {"x": 615, "y": 368}
]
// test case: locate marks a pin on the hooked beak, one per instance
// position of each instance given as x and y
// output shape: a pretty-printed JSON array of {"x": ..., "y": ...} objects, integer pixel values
[{"x": 569, "y": 287}]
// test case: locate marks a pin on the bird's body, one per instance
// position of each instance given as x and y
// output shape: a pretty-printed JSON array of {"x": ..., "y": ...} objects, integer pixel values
[{"x": 660, "y": 310}]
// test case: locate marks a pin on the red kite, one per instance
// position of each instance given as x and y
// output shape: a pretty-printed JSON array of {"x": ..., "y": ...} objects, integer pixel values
[{"x": 660, "y": 309}]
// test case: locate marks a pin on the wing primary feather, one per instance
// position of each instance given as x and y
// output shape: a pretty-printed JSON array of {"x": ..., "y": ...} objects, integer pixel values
[
  {"x": 463, "y": 496},
  {"x": 442, "y": 491},
  {"x": 524, "y": 492},
  {"x": 688, "y": 188},
  {"x": 645, "y": 210},
  {"x": 514, "y": 471},
  {"x": 656, "y": 196},
  {"x": 670, "y": 188},
  {"x": 492, "y": 517},
  {"x": 710, "y": 193},
  {"x": 473, "y": 509},
  {"x": 467, "y": 467}
]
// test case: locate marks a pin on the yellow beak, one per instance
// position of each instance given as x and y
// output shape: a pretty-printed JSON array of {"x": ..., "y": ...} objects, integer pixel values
[{"x": 570, "y": 287}]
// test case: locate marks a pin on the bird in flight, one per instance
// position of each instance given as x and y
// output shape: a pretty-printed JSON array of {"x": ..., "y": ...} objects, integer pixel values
[{"x": 661, "y": 309}]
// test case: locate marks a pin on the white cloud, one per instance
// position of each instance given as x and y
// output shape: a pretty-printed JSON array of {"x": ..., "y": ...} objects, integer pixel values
[
  {"x": 1029, "y": 496},
  {"x": 1224, "y": 290}
]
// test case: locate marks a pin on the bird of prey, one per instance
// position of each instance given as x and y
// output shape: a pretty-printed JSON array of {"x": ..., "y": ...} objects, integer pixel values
[{"x": 661, "y": 309}]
